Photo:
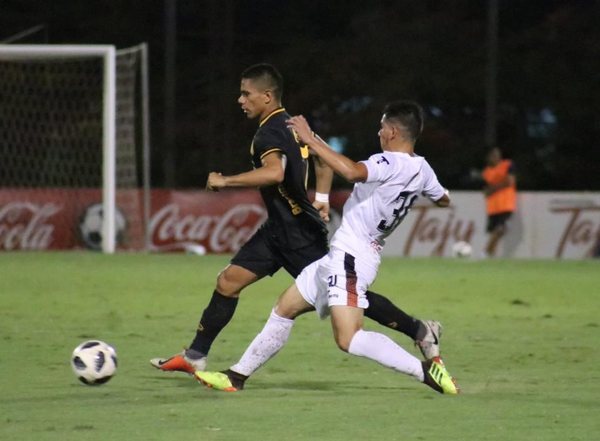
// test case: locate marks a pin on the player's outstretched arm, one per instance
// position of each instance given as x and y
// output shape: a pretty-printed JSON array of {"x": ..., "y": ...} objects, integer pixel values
[
  {"x": 342, "y": 165},
  {"x": 271, "y": 172},
  {"x": 324, "y": 177}
]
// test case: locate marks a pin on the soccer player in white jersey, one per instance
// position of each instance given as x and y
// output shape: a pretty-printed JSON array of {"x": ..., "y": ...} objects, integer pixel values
[{"x": 386, "y": 186}]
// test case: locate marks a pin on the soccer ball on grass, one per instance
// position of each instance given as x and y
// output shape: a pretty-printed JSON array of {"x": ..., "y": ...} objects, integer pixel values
[
  {"x": 94, "y": 362},
  {"x": 462, "y": 249}
]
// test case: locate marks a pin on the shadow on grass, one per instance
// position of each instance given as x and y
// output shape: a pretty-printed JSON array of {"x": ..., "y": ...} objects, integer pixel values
[{"x": 318, "y": 385}]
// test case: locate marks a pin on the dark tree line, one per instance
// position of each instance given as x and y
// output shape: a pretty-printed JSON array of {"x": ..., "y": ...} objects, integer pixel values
[{"x": 343, "y": 60}]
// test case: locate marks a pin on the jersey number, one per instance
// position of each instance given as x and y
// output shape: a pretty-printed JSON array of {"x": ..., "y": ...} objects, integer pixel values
[
  {"x": 405, "y": 200},
  {"x": 332, "y": 280}
]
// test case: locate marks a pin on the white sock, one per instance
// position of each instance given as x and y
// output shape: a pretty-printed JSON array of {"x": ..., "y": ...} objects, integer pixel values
[
  {"x": 265, "y": 345},
  {"x": 384, "y": 351}
]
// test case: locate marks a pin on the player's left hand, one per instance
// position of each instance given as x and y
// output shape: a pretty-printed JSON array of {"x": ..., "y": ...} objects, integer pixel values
[
  {"x": 215, "y": 181},
  {"x": 323, "y": 209}
]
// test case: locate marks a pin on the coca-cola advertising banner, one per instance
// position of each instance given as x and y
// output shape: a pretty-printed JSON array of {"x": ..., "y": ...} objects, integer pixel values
[
  {"x": 221, "y": 222},
  {"x": 42, "y": 219},
  {"x": 545, "y": 225},
  {"x": 179, "y": 221}
]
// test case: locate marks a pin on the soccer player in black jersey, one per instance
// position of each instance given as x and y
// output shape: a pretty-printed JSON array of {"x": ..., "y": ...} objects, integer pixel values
[{"x": 294, "y": 234}]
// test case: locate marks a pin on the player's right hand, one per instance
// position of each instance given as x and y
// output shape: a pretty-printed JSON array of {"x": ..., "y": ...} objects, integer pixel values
[
  {"x": 301, "y": 127},
  {"x": 323, "y": 209},
  {"x": 215, "y": 181}
]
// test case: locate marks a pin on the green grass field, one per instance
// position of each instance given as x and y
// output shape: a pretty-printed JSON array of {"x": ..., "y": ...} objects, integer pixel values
[{"x": 520, "y": 336}]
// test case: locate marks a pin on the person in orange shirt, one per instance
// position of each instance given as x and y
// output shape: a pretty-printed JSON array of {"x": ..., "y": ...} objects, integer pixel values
[{"x": 500, "y": 192}]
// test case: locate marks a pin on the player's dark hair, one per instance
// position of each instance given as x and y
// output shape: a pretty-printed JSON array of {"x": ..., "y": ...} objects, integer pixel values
[
  {"x": 408, "y": 114},
  {"x": 268, "y": 74}
]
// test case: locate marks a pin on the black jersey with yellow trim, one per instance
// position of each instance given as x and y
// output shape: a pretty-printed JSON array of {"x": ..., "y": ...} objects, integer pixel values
[{"x": 293, "y": 221}]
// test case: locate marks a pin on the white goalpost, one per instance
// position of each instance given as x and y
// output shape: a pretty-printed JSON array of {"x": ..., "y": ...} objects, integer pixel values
[{"x": 52, "y": 115}]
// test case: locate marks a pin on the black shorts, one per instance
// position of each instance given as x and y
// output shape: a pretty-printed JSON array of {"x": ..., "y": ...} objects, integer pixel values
[
  {"x": 497, "y": 220},
  {"x": 263, "y": 256}
]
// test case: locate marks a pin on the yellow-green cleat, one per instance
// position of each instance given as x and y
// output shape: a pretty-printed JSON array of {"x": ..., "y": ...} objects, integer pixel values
[
  {"x": 438, "y": 378},
  {"x": 215, "y": 380}
]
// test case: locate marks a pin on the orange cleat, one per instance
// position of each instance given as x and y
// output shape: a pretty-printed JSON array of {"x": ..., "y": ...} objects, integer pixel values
[{"x": 179, "y": 363}]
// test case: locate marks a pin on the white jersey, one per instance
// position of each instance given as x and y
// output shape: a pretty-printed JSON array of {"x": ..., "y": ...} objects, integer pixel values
[{"x": 376, "y": 207}]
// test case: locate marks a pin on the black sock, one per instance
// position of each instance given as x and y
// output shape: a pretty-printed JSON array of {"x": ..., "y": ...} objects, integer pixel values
[
  {"x": 236, "y": 378},
  {"x": 384, "y": 312},
  {"x": 215, "y": 317}
]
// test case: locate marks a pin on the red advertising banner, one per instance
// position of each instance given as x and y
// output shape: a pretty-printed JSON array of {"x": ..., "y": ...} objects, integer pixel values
[
  {"x": 42, "y": 219},
  {"x": 220, "y": 222},
  {"x": 51, "y": 219},
  {"x": 545, "y": 225}
]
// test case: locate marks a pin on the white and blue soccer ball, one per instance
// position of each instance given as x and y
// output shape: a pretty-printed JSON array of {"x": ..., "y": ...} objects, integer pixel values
[
  {"x": 94, "y": 362},
  {"x": 462, "y": 249}
]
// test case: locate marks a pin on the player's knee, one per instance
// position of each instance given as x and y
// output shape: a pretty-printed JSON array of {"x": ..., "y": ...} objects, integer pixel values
[
  {"x": 282, "y": 311},
  {"x": 343, "y": 342},
  {"x": 228, "y": 286}
]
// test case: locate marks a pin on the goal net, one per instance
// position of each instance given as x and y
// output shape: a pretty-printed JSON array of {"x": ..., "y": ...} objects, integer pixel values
[{"x": 73, "y": 147}]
